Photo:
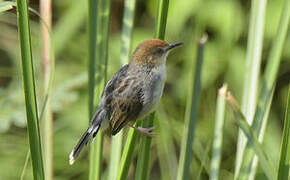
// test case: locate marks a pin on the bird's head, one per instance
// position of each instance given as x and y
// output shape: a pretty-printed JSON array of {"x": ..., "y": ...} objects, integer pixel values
[{"x": 152, "y": 52}]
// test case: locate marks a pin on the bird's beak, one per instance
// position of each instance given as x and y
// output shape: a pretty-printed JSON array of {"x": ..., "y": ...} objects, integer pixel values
[{"x": 173, "y": 45}]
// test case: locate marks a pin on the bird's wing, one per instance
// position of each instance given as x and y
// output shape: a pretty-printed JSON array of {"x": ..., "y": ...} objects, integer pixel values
[
  {"x": 123, "y": 97},
  {"x": 123, "y": 111}
]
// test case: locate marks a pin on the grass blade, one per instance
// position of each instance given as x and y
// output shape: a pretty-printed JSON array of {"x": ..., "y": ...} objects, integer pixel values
[
  {"x": 284, "y": 165},
  {"x": 203, "y": 160},
  {"x": 145, "y": 147},
  {"x": 165, "y": 146},
  {"x": 99, "y": 11},
  {"x": 252, "y": 139},
  {"x": 261, "y": 136},
  {"x": 49, "y": 80},
  {"x": 201, "y": 153},
  {"x": 128, "y": 153},
  {"x": 25, "y": 165},
  {"x": 142, "y": 170},
  {"x": 127, "y": 31},
  {"x": 47, "y": 125},
  {"x": 218, "y": 133},
  {"x": 92, "y": 40},
  {"x": 161, "y": 19},
  {"x": 29, "y": 90},
  {"x": 126, "y": 41},
  {"x": 115, "y": 155},
  {"x": 191, "y": 116},
  {"x": 253, "y": 63},
  {"x": 267, "y": 86}
]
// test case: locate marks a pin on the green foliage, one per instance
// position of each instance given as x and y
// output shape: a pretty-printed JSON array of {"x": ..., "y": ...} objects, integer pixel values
[
  {"x": 284, "y": 165},
  {"x": 144, "y": 152},
  {"x": 253, "y": 142},
  {"x": 267, "y": 87},
  {"x": 128, "y": 153},
  {"x": 253, "y": 64},
  {"x": 96, "y": 150},
  {"x": 226, "y": 23},
  {"x": 218, "y": 133},
  {"x": 144, "y": 155},
  {"x": 29, "y": 90},
  {"x": 99, "y": 18},
  {"x": 126, "y": 41},
  {"x": 191, "y": 114}
]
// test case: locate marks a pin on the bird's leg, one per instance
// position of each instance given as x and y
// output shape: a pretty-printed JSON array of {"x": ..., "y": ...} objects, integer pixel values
[{"x": 144, "y": 131}]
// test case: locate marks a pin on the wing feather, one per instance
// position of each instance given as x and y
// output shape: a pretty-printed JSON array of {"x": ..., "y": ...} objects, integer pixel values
[{"x": 123, "y": 98}]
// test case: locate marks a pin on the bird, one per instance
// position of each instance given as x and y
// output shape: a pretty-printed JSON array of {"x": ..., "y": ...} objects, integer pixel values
[{"x": 131, "y": 94}]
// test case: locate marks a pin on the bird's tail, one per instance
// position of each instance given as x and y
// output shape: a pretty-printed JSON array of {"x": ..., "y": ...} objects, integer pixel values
[{"x": 92, "y": 130}]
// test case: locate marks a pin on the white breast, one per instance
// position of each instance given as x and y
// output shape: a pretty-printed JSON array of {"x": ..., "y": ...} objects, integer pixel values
[
  {"x": 154, "y": 89},
  {"x": 157, "y": 88}
]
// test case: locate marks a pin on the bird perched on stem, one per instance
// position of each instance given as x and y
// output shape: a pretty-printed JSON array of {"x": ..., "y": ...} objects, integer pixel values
[{"x": 132, "y": 93}]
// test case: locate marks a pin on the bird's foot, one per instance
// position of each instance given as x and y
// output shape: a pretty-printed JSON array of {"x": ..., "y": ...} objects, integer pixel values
[{"x": 145, "y": 131}]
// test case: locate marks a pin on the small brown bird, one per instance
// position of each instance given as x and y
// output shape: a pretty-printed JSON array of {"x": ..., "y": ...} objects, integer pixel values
[{"x": 132, "y": 93}]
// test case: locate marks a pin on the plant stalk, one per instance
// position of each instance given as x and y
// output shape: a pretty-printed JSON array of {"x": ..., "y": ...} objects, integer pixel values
[
  {"x": 218, "y": 133},
  {"x": 47, "y": 125},
  {"x": 191, "y": 116},
  {"x": 29, "y": 90},
  {"x": 267, "y": 87}
]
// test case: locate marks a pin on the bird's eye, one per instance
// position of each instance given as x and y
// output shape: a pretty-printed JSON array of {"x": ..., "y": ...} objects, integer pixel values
[{"x": 158, "y": 51}]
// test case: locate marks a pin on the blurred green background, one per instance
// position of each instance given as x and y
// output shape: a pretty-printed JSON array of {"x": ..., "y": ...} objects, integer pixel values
[{"x": 226, "y": 22}]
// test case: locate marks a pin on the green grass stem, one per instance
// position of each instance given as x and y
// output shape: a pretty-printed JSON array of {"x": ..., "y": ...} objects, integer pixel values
[
  {"x": 165, "y": 145},
  {"x": 27, "y": 157},
  {"x": 252, "y": 68},
  {"x": 92, "y": 40},
  {"x": 29, "y": 90},
  {"x": 95, "y": 152},
  {"x": 144, "y": 150},
  {"x": 128, "y": 153},
  {"x": 203, "y": 159},
  {"x": 142, "y": 171},
  {"x": 127, "y": 31},
  {"x": 126, "y": 41},
  {"x": 48, "y": 82},
  {"x": 161, "y": 19},
  {"x": 252, "y": 139},
  {"x": 218, "y": 133},
  {"x": 100, "y": 14},
  {"x": 115, "y": 155},
  {"x": 284, "y": 165},
  {"x": 132, "y": 136},
  {"x": 191, "y": 116},
  {"x": 267, "y": 87}
]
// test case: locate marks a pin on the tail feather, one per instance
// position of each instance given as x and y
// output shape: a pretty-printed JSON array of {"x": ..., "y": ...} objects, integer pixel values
[{"x": 82, "y": 143}]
